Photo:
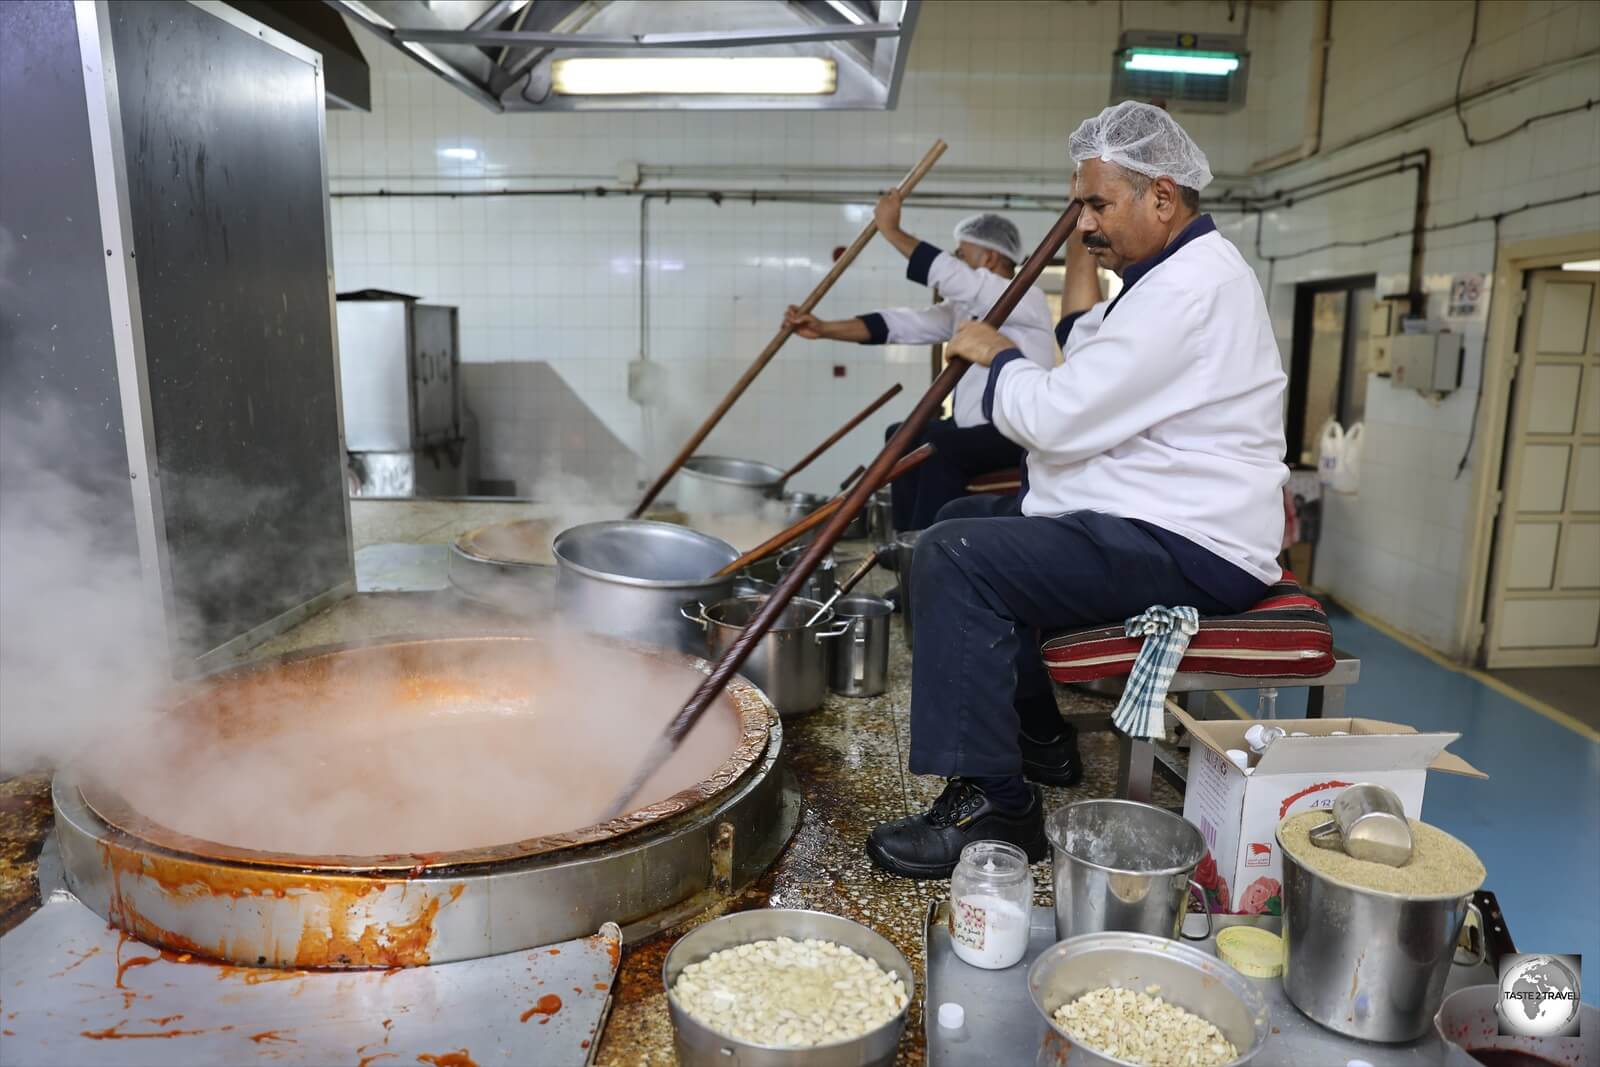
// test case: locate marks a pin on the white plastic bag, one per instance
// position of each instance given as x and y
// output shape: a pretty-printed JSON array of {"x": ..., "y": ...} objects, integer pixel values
[
  {"x": 1348, "y": 479},
  {"x": 1330, "y": 453}
]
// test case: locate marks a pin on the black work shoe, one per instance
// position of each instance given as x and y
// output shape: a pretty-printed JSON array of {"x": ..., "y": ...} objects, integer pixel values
[
  {"x": 1052, "y": 762},
  {"x": 929, "y": 845}
]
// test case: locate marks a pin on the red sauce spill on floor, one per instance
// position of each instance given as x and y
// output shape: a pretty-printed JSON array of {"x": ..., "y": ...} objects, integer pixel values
[
  {"x": 584, "y": 1043},
  {"x": 553, "y": 951},
  {"x": 113, "y": 1033},
  {"x": 269, "y": 1035},
  {"x": 546, "y": 1005},
  {"x": 366, "y": 1060},
  {"x": 90, "y": 951},
  {"x": 165, "y": 1020},
  {"x": 458, "y": 1058},
  {"x": 601, "y": 986},
  {"x": 8, "y": 1033}
]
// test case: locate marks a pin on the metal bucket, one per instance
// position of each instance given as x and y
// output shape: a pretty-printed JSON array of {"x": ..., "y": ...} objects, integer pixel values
[
  {"x": 824, "y": 581},
  {"x": 1193, "y": 980},
  {"x": 697, "y": 1045},
  {"x": 880, "y": 518},
  {"x": 629, "y": 578},
  {"x": 790, "y": 664},
  {"x": 905, "y": 549},
  {"x": 797, "y": 506},
  {"x": 721, "y": 485},
  {"x": 861, "y": 655},
  {"x": 1368, "y": 964},
  {"x": 1467, "y": 1023},
  {"x": 1122, "y": 865}
]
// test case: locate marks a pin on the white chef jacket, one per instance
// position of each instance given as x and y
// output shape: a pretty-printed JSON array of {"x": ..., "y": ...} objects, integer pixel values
[
  {"x": 1168, "y": 407},
  {"x": 968, "y": 293}
]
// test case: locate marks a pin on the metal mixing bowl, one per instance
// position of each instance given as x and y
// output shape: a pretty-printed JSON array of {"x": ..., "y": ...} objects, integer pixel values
[
  {"x": 1191, "y": 979},
  {"x": 699, "y": 1046}
]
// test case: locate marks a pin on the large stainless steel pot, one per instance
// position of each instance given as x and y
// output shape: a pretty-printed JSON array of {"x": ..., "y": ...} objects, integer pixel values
[
  {"x": 1368, "y": 964},
  {"x": 905, "y": 549},
  {"x": 698, "y": 1045},
  {"x": 721, "y": 485},
  {"x": 1122, "y": 865},
  {"x": 629, "y": 578},
  {"x": 861, "y": 655},
  {"x": 1191, "y": 979},
  {"x": 790, "y": 663}
]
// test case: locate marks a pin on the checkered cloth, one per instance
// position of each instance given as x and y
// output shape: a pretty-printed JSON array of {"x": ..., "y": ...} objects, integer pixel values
[{"x": 1166, "y": 633}]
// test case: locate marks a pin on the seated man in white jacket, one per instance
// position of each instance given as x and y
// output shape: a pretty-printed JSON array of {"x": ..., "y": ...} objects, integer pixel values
[
  {"x": 1154, "y": 477},
  {"x": 970, "y": 280}
]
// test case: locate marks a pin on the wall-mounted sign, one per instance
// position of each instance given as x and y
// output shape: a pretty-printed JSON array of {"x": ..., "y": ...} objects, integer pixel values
[{"x": 1466, "y": 295}]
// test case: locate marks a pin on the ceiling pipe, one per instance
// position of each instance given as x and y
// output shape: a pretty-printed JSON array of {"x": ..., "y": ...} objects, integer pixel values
[{"x": 1316, "y": 95}]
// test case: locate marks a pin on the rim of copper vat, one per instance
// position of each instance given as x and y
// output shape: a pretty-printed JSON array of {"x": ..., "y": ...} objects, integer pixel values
[
  {"x": 755, "y": 726},
  {"x": 470, "y": 544}
]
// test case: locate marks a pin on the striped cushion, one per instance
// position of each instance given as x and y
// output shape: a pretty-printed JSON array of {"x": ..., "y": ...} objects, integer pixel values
[
  {"x": 1008, "y": 480},
  {"x": 1286, "y": 635}
]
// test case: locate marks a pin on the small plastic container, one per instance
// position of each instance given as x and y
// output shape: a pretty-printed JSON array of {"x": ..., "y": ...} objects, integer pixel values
[{"x": 991, "y": 900}]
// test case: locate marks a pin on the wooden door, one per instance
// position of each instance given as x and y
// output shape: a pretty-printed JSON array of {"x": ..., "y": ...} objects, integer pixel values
[{"x": 1544, "y": 595}]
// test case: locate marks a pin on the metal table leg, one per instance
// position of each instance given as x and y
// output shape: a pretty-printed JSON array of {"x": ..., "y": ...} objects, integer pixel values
[{"x": 1135, "y": 767}]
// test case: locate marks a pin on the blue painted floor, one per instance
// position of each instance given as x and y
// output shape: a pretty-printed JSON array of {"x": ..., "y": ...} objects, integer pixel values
[{"x": 1535, "y": 822}]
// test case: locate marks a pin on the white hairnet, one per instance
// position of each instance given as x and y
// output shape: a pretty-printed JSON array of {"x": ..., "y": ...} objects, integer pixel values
[
  {"x": 1144, "y": 139},
  {"x": 992, "y": 231}
]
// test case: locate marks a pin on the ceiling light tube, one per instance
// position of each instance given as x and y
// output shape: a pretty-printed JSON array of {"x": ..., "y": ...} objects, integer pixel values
[
  {"x": 1214, "y": 64},
  {"x": 696, "y": 76}
]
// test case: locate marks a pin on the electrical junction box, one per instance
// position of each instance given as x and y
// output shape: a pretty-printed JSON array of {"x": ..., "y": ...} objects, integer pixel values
[
  {"x": 1426, "y": 362},
  {"x": 1380, "y": 326}
]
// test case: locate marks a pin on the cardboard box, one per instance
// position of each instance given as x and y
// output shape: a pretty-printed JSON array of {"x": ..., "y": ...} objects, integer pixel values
[{"x": 1238, "y": 814}]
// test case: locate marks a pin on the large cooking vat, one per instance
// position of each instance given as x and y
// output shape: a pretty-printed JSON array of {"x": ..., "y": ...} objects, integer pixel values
[
  {"x": 722, "y": 485},
  {"x": 153, "y": 849},
  {"x": 507, "y": 564}
]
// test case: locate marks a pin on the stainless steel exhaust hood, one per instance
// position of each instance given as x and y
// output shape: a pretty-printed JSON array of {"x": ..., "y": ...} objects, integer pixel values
[{"x": 509, "y": 54}]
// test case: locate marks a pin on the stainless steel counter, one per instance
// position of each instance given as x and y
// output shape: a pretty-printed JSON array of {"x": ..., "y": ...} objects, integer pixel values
[{"x": 1003, "y": 1029}]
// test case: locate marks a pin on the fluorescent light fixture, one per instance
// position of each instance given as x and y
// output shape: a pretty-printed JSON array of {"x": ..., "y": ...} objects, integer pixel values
[
  {"x": 468, "y": 154},
  {"x": 1582, "y": 264},
  {"x": 696, "y": 75},
  {"x": 1171, "y": 61}
]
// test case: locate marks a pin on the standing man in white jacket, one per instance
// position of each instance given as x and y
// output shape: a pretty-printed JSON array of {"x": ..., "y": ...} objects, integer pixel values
[
  {"x": 970, "y": 280},
  {"x": 1154, "y": 477}
]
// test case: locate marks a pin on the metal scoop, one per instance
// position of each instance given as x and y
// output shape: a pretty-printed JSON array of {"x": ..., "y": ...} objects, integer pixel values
[{"x": 1368, "y": 823}]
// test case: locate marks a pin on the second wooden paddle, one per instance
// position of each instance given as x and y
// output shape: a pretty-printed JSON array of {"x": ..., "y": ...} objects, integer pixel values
[{"x": 907, "y": 183}]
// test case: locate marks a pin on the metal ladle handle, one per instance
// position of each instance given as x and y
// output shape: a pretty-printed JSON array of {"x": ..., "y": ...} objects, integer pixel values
[{"x": 1327, "y": 835}]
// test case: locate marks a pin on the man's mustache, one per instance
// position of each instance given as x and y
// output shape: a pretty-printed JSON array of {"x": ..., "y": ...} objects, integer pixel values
[{"x": 1096, "y": 241}]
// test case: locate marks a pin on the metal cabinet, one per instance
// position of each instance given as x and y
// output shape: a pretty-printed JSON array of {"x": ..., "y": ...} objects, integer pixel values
[{"x": 398, "y": 374}]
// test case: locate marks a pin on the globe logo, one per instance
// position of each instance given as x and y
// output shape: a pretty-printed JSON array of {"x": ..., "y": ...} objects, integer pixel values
[{"x": 1538, "y": 996}]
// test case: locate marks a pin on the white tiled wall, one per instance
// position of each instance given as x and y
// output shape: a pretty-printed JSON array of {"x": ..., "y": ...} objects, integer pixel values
[
  {"x": 1396, "y": 549},
  {"x": 555, "y": 279}
]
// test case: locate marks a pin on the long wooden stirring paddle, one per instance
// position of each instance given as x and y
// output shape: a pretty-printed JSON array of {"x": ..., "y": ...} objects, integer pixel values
[
  {"x": 838, "y": 435},
  {"x": 790, "y": 584},
  {"x": 804, "y": 526},
  {"x": 908, "y": 183}
]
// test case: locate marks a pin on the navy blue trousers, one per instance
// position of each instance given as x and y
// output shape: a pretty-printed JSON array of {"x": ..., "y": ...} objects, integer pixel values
[
  {"x": 959, "y": 455},
  {"x": 986, "y": 581}
]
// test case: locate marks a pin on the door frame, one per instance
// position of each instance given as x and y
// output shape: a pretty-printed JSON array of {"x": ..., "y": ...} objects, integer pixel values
[
  {"x": 1506, "y": 296},
  {"x": 1305, "y": 295}
]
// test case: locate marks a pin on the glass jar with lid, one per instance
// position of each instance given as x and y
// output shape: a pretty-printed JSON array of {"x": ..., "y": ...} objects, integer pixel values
[{"x": 991, "y": 903}]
